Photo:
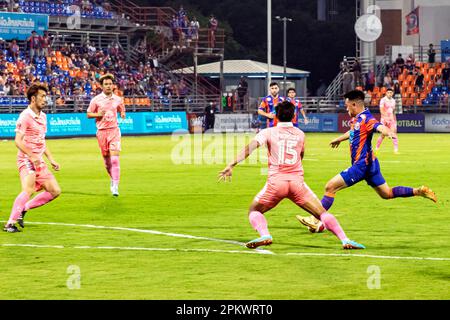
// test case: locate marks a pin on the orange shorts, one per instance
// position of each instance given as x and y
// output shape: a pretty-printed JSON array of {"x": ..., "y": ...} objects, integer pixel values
[
  {"x": 276, "y": 190},
  {"x": 109, "y": 140},
  {"x": 42, "y": 173}
]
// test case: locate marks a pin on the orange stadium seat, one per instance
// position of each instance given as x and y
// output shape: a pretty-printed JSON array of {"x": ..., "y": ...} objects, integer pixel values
[
  {"x": 432, "y": 71},
  {"x": 419, "y": 102},
  {"x": 383, "y": 90},
  {"x": 376, "y": 89},
  {"x": 401, "y": 77}
]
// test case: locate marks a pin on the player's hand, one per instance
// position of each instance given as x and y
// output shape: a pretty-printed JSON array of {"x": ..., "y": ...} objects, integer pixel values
[
  {"x": 271, "y": 116},
  {"x": 101, "y": 113},
  {"x": 335, "y": 143},
  {"x": 306, "y": 121},
  {"x": 123, "y": 115},
  {"x": 226, "y": 173},
  {"x": 55, "y": 165}
]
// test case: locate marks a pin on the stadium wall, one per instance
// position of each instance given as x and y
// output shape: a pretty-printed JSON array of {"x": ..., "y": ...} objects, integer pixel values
[{"x": 77, "y": 124}]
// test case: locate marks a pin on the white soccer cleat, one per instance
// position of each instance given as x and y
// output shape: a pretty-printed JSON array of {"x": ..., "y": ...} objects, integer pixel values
[
  {"x": 115, "y": 191},
  {"x": 314, "y": 225}
]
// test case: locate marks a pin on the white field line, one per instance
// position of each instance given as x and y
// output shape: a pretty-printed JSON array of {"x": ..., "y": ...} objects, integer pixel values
[
  {"x": 242, "y": 244},
  {"x": 302, "y": 254}
]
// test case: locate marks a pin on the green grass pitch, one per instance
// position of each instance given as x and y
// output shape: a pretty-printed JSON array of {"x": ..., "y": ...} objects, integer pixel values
[{"x": 140, "y": 256}]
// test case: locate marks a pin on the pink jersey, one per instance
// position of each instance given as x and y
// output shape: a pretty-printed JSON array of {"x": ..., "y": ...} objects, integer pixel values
[
  {"x": 33, "y": 127},
  {"x": 285, "y": 144},
  {"x": 387, "y": 108},
  {"x": 110, "y": 105}
]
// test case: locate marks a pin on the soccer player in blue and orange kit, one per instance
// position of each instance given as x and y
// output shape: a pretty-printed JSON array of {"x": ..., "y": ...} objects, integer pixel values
[
  {"x": 266, "y": 110},
  {"x": 298, "y": 107},
  {"x": 365, "y": 165}
]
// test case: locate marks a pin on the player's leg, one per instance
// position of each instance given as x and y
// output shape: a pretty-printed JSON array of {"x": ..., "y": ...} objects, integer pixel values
[
  {"x": 114, "y": 151},
  {"x": 52, "y": 191},
  {"x": 102, "y": 143},
  {"x": 266, "y": 199},
  {"x": 336, "y": 183},
  {"x": 28, "y": 181},
  {"x": 386, "y": 192},
  {"x": 379, "y": 184},
  {"x": 308, "y": 201},
  {"x": 393, "y": 127}
]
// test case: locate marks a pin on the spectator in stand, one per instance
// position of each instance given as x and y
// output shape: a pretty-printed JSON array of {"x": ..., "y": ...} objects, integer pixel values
[
  {"x": 34, "y": 43},
  {"x": 86, "y": 6},
  {"x": 194, "y": 27},
  {"x": 357, "y": 72},
  {"x": 410, "y": 63},
  {"x": 438, "y": 81},
  {"x": 45, "y": 45},
  {"x": 347, "y": 81},
  {"x": 14, "y": 50},
  {"x": 106, "y": 6},
  {"x": 419, "y": 81},
  {"x": 387, "y": 81},
  {"x": 370, "y": 80},
  {"x": 400, "y": 62},
  {"x": 446, "y": 74},
  {"x": 181, "y": 13},
  {"x": 212, "y": 28},
  {"x": 175, "y": 27},
  {"x": 431, "y": 55},
  {"x": 185, "y": 36},
  {"x": 344, "y": 65}
]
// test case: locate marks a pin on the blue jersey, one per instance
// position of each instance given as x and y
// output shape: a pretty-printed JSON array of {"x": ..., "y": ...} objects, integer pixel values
[
  {"x": 362, "y": 128},
  {"x": 298, "y": 106},
  {"x": 268, "y": 105}
]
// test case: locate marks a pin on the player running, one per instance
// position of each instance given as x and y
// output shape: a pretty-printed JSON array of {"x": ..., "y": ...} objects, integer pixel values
[
  {"x": 34, "y": 174},
  {"x": 286, "y": 147},
  {"x": 104, "y": 108},
  {"x": 298, "y": 106},
  {"x": 266, "y": 109},
  {"x": 365, "y": 165},
  {"x": 388, "y": 119}
]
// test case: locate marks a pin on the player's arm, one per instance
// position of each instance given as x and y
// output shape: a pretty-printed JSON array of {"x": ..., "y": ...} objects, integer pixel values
[
  {"x": 93, "y": 112},
  {"x": 261, "y": 111},
  {"x": 304, "y": 116},
  {"x": 242, "y": 155},
  {"x": 335, "y": 142},
  {"x": 385, "y": 131},
  {"x": 22, "y": 147},
  {"x": 122, "y": 110},
  {"x": 49, "y": 156}
]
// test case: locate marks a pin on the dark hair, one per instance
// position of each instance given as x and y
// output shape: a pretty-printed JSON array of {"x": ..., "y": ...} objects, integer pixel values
[
  {"x": 33, "y": 90},
  {"x": 106, "y": 77},
  {"x": 285, "y": 111},
  {"x": 389, "y": 89},
  {"x": 290, "y": 89},
  {"x": 273, "y": 84},
  {"x": 355, "y": 95}
]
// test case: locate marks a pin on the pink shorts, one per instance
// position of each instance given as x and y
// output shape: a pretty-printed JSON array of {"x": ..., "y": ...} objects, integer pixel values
[
  {"x": 109, "y": 140},
  {"x": 391, "y": 124},
  {"x": 42, "y": 173},
  {"x": 276, "y": 190}
]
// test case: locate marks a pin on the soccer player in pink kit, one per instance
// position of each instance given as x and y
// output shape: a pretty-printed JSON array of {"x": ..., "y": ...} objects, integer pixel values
[
  {"x": 104, "y": 108},
  {"x": 34, "y": 174},
  {"x": 286, "y": 147},
  {"x": 388, "y": 119}
]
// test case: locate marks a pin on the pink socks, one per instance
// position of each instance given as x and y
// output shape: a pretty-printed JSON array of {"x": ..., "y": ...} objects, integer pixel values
[
  {"x": 330, "y": 223},
  {"x": 19, "y": 205},
  {"x": 115, "y": 170},
  {"x": 41, "y": 199},
  {"x": 259, "y": 223}
]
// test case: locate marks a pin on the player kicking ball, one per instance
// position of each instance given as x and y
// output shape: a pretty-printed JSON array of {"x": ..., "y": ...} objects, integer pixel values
[
  {"x": 286, "y": 147},
  {"x": 365, "y": 165},
  {"x": 34, "y": 174},
  {"x": 104, "y": 108}
]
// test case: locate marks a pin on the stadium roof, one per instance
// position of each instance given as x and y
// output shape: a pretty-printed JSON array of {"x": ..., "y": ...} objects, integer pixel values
[{"x": 248, "y": 68}]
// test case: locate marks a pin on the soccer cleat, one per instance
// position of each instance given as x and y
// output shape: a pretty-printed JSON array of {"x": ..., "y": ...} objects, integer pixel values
[
  {"x": 20, "y": 220},
  {"x": 314, "y": 225},
  {"x": 10, "y": 228},
  {"x": 262, "y": 241},
  {"x": 350, "y": 244},
  {"x": 115, "y": 191},
  {"x": 426, "y": 192}
]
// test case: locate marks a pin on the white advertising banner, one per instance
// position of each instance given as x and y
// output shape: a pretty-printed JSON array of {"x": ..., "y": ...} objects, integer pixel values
[
  {"x": 233, "y": 122},
  {"x": 437, "y": 122}
]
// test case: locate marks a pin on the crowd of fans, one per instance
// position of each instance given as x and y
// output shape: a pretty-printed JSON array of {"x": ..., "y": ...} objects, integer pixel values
[{"x": 414, "y": 82}]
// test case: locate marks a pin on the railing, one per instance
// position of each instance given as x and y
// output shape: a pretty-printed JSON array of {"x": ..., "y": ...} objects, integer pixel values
[
  {"x": 149, "y": 16},
  {"x": 190, "y": 103},
  {"x": 420, "y": 53}
]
